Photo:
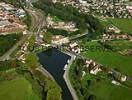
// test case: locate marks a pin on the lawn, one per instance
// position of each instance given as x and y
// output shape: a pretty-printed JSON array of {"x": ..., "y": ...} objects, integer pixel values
[
  {"x": 125, "y": 25},
  {"x": 17, "y": 89},
  {"x": 110, "y": 59},
  {"x": 105, "y": 90}
]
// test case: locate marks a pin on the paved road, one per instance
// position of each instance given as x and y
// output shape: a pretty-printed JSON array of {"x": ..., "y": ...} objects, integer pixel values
[
  {"x": 79, "y": 35},
  {"x": 66, "y": 76}
]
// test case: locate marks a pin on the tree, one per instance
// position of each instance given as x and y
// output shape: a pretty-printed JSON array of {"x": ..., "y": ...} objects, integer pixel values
[
  {"x": 53, "y": 94},
  {"x": 32, "y": 61},
  {"x": 47, "y": 37},
  {"x": 31, "y": 43},
  {"x": 92, "y": 97},
  {"x": 14, "y": 63}
]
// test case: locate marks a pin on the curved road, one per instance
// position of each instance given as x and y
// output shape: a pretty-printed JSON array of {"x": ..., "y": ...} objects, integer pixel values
[{"x": 66, "y": 77}]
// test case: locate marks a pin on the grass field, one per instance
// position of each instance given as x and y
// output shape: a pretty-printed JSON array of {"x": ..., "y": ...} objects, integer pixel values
[
  {"x": 110, "y": 59},
  {"x": 17, "y": 89},
  {"x": 125, "y": 25},
  {"x": 105, "y": 90}
]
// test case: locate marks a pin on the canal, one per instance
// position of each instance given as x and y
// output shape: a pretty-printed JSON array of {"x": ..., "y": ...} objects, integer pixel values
[{"x": 54, "y": 61}]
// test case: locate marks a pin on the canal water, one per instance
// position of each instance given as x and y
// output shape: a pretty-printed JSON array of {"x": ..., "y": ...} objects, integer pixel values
[{"x": 54, "y": 61}]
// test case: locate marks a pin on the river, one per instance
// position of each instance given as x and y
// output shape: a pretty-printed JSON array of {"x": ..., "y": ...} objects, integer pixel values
[{"x": 54, "y": 61}]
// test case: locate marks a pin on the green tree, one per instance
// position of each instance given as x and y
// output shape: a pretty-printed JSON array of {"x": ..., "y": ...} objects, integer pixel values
[
  {"x": 53, "y": 94},
  {"x": 47, "y": 37},
  {"x": 31, "y": 61}
]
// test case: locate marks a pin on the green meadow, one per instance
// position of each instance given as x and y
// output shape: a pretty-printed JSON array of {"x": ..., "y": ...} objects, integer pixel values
[
  {"x": 125, "y": 25},
  {"x": 108, "y": 58},
  {"x": 105, "y": 90},
  {"x": 17, "y": 89}
]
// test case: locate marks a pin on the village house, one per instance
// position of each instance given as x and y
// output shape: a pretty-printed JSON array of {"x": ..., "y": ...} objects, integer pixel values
[
  {"x": 20, "y": 13},
  {"x": 115, "y": 82},
  {"x": 129, "y": 8},
  {"x": 6, "y": 7},
  {"x": 74, "y": 47},
  {"x": 113, "y": 29},
  {"x": 95, "y": 70},
  {"x": 59, "y": 40},
  {"x": 107, "y": 8},
  {"x": 123, "y": 78},
  {"x": 92, "y": 66},
  {"x": 9, "y": 22},
  {"x": 68, "y": 26}
]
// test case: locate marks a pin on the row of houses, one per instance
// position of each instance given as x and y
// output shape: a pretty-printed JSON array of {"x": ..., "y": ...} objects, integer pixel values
[
  {"x": 111, "y": 9},
  {"x": 81, "y": 5},
  {"x": 21, "y": 54},
  {"x": 68, "y": 26},
  {"x": 10, "y": 9},
  {"x": 94, "y": 68},
  {"x": 117, "y": 36},
  {"x": 107, "y": 8},
  {"x": 10, "y": 19}
]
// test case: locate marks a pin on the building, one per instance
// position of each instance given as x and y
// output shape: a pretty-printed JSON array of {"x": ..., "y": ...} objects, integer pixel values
[
  {"x": 74, "y": 47},
  {"x": 10, "y": 19},
  {"x": 20, "y": 13},
  {"x": 59, "y": 40}
]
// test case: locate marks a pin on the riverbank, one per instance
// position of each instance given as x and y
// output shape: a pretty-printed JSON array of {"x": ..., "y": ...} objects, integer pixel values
[
  {"x": 66, "y": 76},
  {"x": 44, "y": 72}
]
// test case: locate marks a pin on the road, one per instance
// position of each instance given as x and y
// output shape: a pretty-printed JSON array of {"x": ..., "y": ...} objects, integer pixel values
[
  {"x": 66, "y": 76},
  {"x": 79, "y": 35}
]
